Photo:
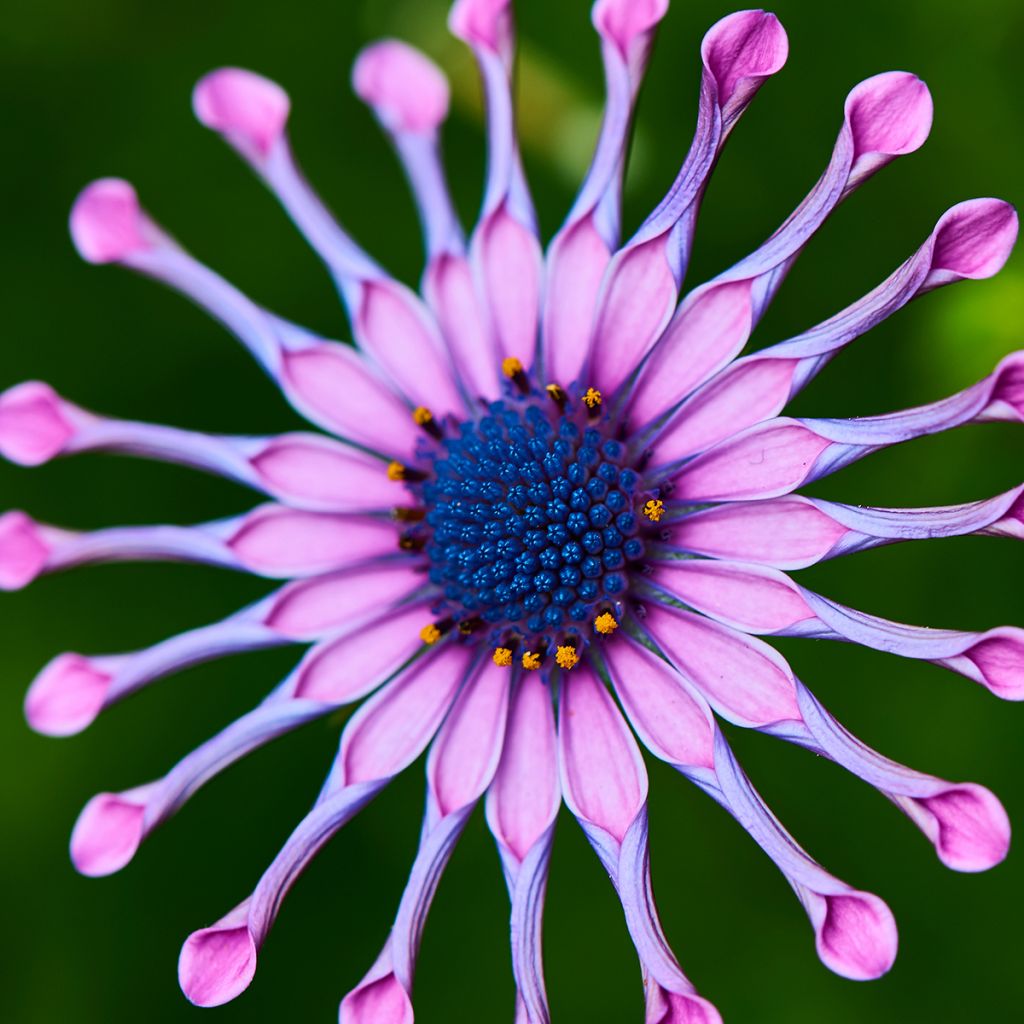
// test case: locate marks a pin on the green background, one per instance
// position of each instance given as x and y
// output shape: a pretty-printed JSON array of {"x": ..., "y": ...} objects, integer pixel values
[{"x": 103, "y": 88}]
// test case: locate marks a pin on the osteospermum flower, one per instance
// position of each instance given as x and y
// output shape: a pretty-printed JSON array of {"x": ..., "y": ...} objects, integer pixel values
[{"x": 550, "y": 516}]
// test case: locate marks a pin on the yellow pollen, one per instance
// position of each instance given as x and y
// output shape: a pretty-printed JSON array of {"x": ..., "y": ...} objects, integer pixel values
[
  {"x": 567, "y": 657},
  {"x": 654, "y": 510},
  {"x": 511, "y": 367},
  {"x": 502, "y": 656},
  {"x": 421, "y": 416},
  {"x": 555, "y": 391},
  {"x": 396, "y": 471},
  {"x": 430, "y": 634},
  {"x": 531, "y": 660},
  {"x": 606, "y": 623},
  {"x": 592, "y": 398}
]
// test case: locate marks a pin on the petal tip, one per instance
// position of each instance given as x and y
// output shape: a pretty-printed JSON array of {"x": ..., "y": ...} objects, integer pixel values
[
  {"x": 33, "y": 429},
  {"x": 107, "y": 834},
  {"x": 974, "y": 239},
  {"x": 66, "y": 696},
  {"x": 621, "y": 21},
  {"x": 23, "y": 551},
  {"x": 107, "y": 224},
  {"x": 216, "y": 965},
  {"x": 379, "y": 1001},
  {"x": 744, "y": 45},
  {"x": 485, "y": 23},
  {"x": 408, "y": 91},
  {"x": 973, "y": 828},
  {"x": 250, "y": 110},
  {"x": 889, "y": 114},
  {"x": 857, "y": 938}
]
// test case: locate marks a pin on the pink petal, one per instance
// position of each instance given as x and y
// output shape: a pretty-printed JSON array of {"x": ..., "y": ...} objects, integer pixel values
[
  {"x": 107, "y": 834},
  {"x": 23, "y": 551},
  {"x": 789, "y": 533},
  {"x": 340, "y": 671},
  {"x": 482, "y": 22},
  {"x": 510, "y": 256},
  {"x": 742, "y": 50},
  {"x": 524, "y": 797},
  {"x": 743, "y": 679},
  {"x": 856, "y": 935},
  {"x": 671, "y": 721},
  {"x": 250, "y": 110},
  {"x": 465, "y": 754},
  {"x": 666, "y": 1007},
  {"x": 1000, "y": 660},
  {"x": 975, "y": 239},
  {"x": 107, "y": 223},
  {"x": 968, "y": 825},
  {"x": 324, "y": 474},
  {"x": 34, "y": 427},
  {"x": 763, "y": 462},
  {"x": 603, "y": 775},
  {"x": 381, "y": 1001},
  {"x": 889, "y": 114},
  {"x": 311, "y": 608},
  {"x": 623, "y": 20},
  {"x": 217, "y": 964},
  {"x": 748, "y": 597},
  {"x": 406, "y": 89},
  {"x": 66, "y": 696}
]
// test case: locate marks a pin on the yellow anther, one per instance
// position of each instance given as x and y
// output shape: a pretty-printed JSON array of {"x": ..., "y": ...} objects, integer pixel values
[
  {"x": 396, "y": 471},
  {"x": 606, "y": 623},
  {"x": 421, "y": 416},
  {"x": 531, "y": 660},
  {"x": 592, "y": 398},
  {"x": 430, "y": 634},
  {"x": 567, "y": 656},
  {"x": 502, "y": 656},
  {"x": 556, "y": 393},
  {"x": 654, "y": 510},
  {"x": 511, "y": 367}
]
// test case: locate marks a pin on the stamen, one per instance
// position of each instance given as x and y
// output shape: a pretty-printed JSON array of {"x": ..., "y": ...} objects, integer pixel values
[
  {"x": 567, "y": 656},
  {"x": 606, "y": 623},
  {"x": 424, "y": 418},
  {"x": 513, "y": 369},
  {"x": 654, "y": 510},
  {"x": 557, "y": 395},
  {"x": 411, "y": 542},
  {"x": 409, "y": 515},
  {"x": 430, "y": 634},
  {"x": 592, "y": 399},
  {"x": 398, "y": 472},
  {"x": 531, "y": 660},
  {"x": 502, "y": 656},
  {"x": 469, "y": 626}
]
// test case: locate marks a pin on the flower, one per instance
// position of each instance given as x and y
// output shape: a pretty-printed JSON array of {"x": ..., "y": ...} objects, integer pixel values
[{"x": 550, "y": 486}]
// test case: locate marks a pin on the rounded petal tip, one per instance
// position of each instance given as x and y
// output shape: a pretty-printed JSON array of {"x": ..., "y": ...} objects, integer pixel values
[
  {"x": 378, "y": 1001},
  {"x": 217, "y": 964},
  {"x": 106, "y": 835},
  {"x": 857, "y": 937},
  {"x": 250, "y": 110},
  {"x": 482, "y": 22},
  {"x": 622, "y": 21},
  {"x": 973, "y": 827},
  {"x": 66, "y": 696},
  {"x": 23, "y": 551},
  {"x": 889, "y": 114},
  {"x": 974, "y": 239},
  {"x": 999, "y": 658},
  {"x": 406, "y": 88},
  {"x": 33, "y": 429},
  {"x": 107, "y": 224},
  {"x": 744, "y": 45}
]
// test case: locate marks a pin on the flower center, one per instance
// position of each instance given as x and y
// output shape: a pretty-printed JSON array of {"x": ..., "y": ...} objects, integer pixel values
[{"x": 532, "y": 522}]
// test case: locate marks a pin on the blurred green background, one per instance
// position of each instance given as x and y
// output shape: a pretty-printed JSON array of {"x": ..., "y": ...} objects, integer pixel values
[{"x": 103, "y": 88}]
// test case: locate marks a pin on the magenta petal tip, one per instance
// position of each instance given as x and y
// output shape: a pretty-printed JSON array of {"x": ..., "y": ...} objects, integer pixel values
[
  {"x": 216, "y": 965},
  {"x": 406, "y": 89},
  {"x": 889, "y": 114},
  {"x": 857, "y": 937},
  {"x": 381, "y": 1001},
  {"x": 106, "y": 835},
  {"x": 743, "y": 45},
  {"x": 32, "y": 428},
  {"x": 623, "y": 20},
  {"x": 23, "y": 552},
  {"x": 481, "y": 22},
  {"x": 250, "y": 109},
  {"x": 999, "y": 658},
  {"x": 973, "y": 828},
  {"x": 107, "y": 224},
  {"x": 66, "y": 696},
  {"x": 974, "y": 239}
]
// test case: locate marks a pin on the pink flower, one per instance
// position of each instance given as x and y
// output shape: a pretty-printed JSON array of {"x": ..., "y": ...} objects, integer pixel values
[{"x": 552, "y": 512}]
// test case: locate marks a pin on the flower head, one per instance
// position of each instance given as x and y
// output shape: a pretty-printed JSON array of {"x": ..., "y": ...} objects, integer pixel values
[{"x": 551, "y": 512}]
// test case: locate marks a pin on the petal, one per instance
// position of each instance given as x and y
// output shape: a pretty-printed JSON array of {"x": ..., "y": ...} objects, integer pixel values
[
  {"x": 36, "y": 425},
  {"x": 743, "y": 679},
  {"x": 250, "y": 110},
  {"x": 406, "y": 89},
  {"x": 24, "y": 551},
  {"x": 379, "y": 998},
  {"x": 602, "y": 771},
  {"x": 622, "y": 21},
  {"x": 856, "y": 935},
  {"x": 107, "y": 224}
]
